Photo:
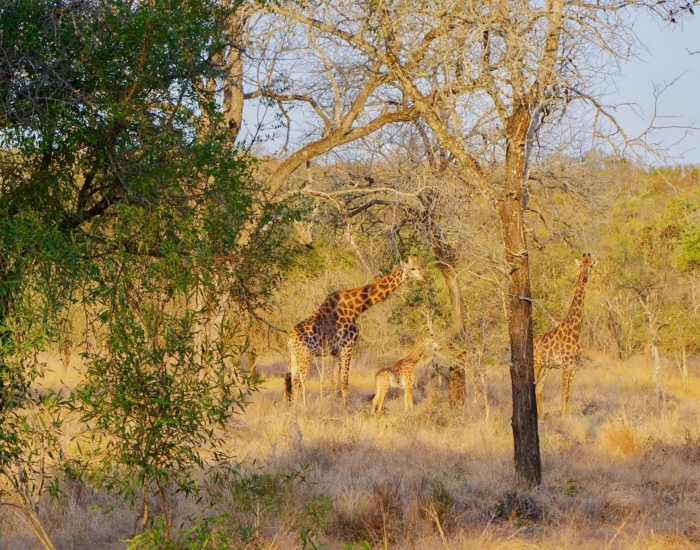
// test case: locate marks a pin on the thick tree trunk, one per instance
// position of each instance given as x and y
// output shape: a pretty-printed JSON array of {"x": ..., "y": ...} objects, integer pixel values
[
  {"x": 528, "y": 467},
  {"x": 447, "y": 259}
]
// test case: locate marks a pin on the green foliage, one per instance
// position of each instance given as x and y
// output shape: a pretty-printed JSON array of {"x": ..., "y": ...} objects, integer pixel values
[
  {"x": 313, "y": 521},
  {"x": 438, "y": 503},
  {"x": 160, "y": 396},
  {"x": 30, "y": 422},
  {"x": 362, "y": 545},
  {"x": 30, "y": 438},
  {"x": 680, "y": 227},
  {"x": 204, "y": 533},
  {"x": 241, "y": 505},
  {"x": 416, "y": 299},
  {"x": 120, "y": 189},
  {"x": 113, "y": 143},
  {"x": 248, "y": 501}
]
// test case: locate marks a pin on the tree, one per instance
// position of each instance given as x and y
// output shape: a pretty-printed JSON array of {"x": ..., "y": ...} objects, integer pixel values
[
  {"x": 107, "y": 113},
  {"x": 119, "y": 188}
]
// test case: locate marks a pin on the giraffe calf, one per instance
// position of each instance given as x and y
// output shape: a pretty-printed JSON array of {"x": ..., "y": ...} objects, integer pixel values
[{"x": 401, "y": 375}]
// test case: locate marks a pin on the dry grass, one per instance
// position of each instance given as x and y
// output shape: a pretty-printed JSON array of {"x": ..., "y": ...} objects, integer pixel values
[{"x": 622, "y": 472}]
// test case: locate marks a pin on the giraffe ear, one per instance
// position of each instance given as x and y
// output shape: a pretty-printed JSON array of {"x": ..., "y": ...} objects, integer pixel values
[
  {"x": 578, "y": 262},
  {"x": 595, "y": 263}
]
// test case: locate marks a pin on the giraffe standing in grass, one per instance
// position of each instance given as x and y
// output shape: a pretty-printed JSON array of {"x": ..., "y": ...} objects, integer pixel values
[
  {"x": 401, "y": 375},
  {"x": 560, "y": 347},
  {"x": 331, "y": 330}
]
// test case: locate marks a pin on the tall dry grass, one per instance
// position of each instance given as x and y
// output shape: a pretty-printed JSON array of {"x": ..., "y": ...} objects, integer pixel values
[{"x": 622, "y": 472}]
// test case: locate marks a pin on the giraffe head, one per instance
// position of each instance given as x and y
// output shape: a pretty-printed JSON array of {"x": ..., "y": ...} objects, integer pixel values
[
  {"x": 431, "y": 344},
  {"x": 586, "y": 265},
  {"x": 411, "y": 268}
]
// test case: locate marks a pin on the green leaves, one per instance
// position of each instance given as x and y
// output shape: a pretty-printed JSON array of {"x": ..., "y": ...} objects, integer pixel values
[
  {"x": 159, "y": 394},
  {"x": 120, "y": 190}
]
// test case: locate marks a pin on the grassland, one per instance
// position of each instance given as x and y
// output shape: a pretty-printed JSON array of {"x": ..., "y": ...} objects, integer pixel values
[{"x": 622, "y": 472}]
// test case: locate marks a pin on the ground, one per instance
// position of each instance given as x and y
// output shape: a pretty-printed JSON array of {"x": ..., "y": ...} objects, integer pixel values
[{"x": 622, "y": 472}]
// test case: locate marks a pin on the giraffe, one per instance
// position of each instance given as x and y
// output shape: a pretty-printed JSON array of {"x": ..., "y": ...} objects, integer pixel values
[
  {"x": 560, "y": 347},
  {"x": 331, "y": 330},
  {"x": 401, "y": 375}
]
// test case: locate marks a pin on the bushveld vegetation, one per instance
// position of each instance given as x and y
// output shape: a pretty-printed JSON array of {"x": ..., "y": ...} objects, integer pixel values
[
  {"x": 151, "y": 266},
  {"x": 620, "y": 472}
]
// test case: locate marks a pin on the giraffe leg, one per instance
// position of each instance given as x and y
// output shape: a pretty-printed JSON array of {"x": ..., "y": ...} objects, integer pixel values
[
  {"x": 408, "y": 398},
  {"x": 539, "y": 389},
  {"x": 566, "y": 391},
  {"x": 344, "y": 370},
  {"x": 299, "y": 369},
  {"x": 375, "y": 401},
  {"x": 565, "y": 376},
  {"x": 383, "y": 392},
  {"x": 335, "y": 385},
  {"x": 378, "y": 400},
  {"x": 298, "y": 388},
  {"x": 288, "y": 379},
  {"x": 288, "y": 387}
]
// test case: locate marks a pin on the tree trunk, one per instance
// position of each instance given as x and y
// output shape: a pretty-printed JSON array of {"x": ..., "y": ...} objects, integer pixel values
[
  {"x": 447, "y": 258},
  {"x": 528, "y": 467},
  {"x": 456, "y": 316},
  {"x": 233, "y": 89}
]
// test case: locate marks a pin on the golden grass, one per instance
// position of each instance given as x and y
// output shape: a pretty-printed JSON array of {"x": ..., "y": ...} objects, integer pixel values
[{"x": 622, "y": 472}]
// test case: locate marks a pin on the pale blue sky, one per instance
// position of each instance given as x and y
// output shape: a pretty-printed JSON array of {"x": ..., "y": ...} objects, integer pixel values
[{"x": 667, "y": 58}]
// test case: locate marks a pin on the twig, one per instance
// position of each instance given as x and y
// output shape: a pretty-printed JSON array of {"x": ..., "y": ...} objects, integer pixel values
[{"x": 266, "y": 322}]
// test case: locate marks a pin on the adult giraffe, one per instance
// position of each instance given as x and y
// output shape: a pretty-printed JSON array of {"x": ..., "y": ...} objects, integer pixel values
[
  {"x": 331, "y": 330},
  {"x": 560, "y": 347}
]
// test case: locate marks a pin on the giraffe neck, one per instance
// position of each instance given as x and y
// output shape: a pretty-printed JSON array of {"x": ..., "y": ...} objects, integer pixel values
[
  {"x": 375, "y": 292},
  {"x": 574, "y": 317},
  {"x": 415, "y": 354}
]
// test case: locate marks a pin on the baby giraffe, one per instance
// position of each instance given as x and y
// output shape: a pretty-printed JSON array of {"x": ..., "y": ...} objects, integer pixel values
[{"x": 401, "y": 375}]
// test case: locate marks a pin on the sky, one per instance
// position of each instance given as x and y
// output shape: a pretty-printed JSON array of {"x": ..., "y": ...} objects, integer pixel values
[{"x": 667, "y": 58}]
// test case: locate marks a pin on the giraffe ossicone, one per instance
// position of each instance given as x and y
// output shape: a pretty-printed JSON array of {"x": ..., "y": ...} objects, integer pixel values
[
  {"x": 401, "y": 375},
  {"x": 560, "y": 347},
  {"x": 332, "y": 330}
]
